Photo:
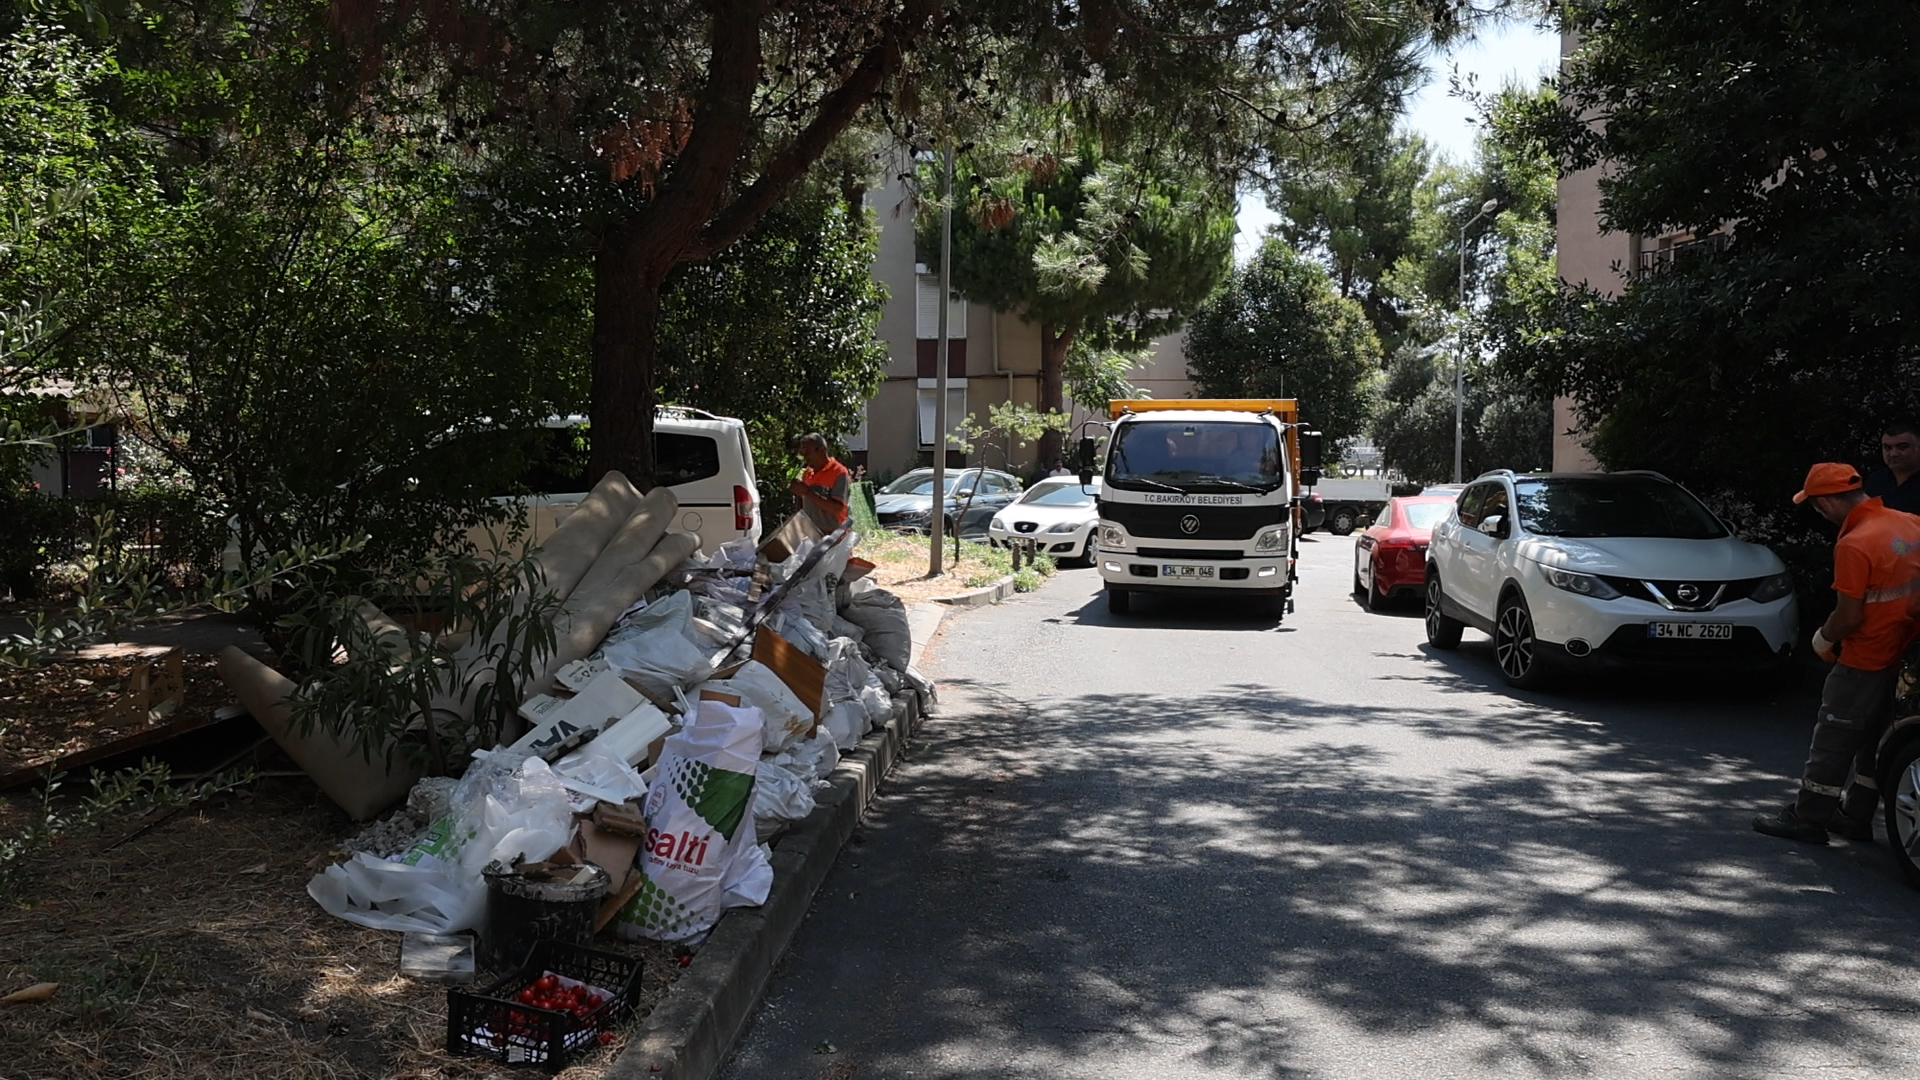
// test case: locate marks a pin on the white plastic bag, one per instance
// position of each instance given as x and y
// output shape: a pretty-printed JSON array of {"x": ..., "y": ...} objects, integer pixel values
[
  {"x": 888, "y": 634},
  {"x": 779, "y": 795},
  {"x": 506, "y": 807},
  {"x": 699, "y": 823},
  {"x": 812, "y": 758},
  {"x": 658, "y": 647},
  {"x": 598, "y": 772},
  {"x": 749, "y": 878},
  {"x": 787, "y": 718},
  {"x": 847, "y": 722}
]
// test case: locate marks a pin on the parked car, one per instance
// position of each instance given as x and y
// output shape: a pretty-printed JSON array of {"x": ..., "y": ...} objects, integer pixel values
[
  {"x": 1057, "y": 513},
  {"x": 1573, "y": 571},
  {"x": 973, "y": 496},
  {"x": 704, "y": 458},
  {"x": 1390, "y": 557}
]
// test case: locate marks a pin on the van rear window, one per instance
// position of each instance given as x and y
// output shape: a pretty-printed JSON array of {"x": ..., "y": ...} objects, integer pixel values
[
  {"x": 682, "y": 459},
  {"x": 560, "y": 465}
]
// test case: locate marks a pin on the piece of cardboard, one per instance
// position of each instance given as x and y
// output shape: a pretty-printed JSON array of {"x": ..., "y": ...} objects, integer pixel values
[
  {"x": 804, "y": 675},
  {"x": 857, "y": 568},
  {"x": 604, "y": 699},
  {"x": 623, "y": 817},
  {"x": 780, "y": 544},
  {"x": 611, "y": 851}
]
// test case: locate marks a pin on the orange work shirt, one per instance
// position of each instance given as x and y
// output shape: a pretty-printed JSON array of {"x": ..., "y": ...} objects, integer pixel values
[
  {"x": 1877, "y": 560},
  {"x": 832, "y": 481}
]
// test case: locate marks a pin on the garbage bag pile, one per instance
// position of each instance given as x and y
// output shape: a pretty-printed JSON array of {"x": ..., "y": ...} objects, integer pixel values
[{"x": 694, "y": 704}]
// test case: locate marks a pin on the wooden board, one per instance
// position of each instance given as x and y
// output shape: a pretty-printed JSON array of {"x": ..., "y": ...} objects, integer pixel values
[{"x": 804, "y": 675}]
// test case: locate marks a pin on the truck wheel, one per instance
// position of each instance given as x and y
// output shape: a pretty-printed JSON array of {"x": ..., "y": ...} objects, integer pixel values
[
  {"x": 1119, "y": 601},
  {"x": 1341, "y": 520},
  {"x": 1900, "y": 788},
  {"x": 1443, "y": 632}
]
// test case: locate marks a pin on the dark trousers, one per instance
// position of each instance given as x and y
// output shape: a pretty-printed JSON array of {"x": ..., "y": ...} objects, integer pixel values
[{"x": 1855, "y": 708}]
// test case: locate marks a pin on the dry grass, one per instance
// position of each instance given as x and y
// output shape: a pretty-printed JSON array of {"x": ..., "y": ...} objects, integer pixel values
[
  {"x": 901, "y": 566},
  {"x": 194, "y": 952}
]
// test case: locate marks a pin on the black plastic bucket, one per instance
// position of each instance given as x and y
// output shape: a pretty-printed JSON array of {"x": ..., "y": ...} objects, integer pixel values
[{"x": 540, "y": 900}]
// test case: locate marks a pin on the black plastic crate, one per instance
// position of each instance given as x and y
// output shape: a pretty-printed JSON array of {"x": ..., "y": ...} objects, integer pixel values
[{"x": 492, "y": 1023}]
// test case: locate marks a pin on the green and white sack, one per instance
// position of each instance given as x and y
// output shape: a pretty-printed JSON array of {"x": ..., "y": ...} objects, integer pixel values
[{"x": 700, "y": 856}]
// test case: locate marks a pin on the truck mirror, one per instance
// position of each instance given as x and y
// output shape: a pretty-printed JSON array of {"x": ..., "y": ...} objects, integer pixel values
[
  {"x": 1309, "y": 477},
  {"x": 1310, "y": 450},
  {"x": 1086, "y": 456}
]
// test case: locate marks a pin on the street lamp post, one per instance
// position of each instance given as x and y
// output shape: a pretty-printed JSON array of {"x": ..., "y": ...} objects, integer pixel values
[{"x": 1460, "y": 346}]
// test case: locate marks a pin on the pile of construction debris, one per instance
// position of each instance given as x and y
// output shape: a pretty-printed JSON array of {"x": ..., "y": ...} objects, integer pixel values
[{"x": 691, "y": 707}]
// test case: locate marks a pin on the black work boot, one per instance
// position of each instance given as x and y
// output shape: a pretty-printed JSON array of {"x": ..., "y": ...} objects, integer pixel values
[
  {"x": 1858, "y": 830},
  {"x": 1790, "y": 825}
]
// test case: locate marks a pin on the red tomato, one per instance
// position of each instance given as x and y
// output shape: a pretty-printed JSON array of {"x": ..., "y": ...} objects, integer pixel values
[
  {"x": 547, "y": 982},
  {"x": 606, "y": 1037},
  {"x": 526, "y": 996}
]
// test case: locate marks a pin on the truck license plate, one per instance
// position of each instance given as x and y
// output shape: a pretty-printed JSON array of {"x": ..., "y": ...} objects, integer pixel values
[
  {"x": 1172, "y": 570},
  {"x": 1691, "y": 631}
]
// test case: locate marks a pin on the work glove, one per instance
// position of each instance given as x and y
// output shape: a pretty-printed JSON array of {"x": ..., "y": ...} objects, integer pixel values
[{"x": 1824, "y": 649}]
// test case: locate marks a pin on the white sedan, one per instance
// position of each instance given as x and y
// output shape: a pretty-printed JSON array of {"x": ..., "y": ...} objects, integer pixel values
[{"x": 1057, "y": 514}]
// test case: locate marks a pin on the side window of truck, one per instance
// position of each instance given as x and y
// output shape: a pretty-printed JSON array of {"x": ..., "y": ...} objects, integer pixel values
[{"x": 1470, "y": 504}]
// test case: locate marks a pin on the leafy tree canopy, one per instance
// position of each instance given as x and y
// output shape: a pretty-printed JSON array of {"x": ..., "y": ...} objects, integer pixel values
[
  {"x": 1279, "y": 329},
  {"x": 1787, "y": 135}
]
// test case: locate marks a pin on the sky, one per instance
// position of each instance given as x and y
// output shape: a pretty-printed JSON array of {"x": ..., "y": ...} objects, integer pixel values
[{"x": 1518, "y": 51}]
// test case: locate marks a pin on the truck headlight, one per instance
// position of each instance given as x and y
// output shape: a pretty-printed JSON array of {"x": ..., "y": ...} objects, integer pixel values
[
  {"x": 1583, "y": 584},
  {"x": 1113, "y": 536},
  {"x": 1273, "y": 539},
  {"x": 1772, "y": 588}
]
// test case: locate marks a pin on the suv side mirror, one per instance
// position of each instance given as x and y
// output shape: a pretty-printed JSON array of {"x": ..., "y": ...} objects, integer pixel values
[
  {"x": 1494, "y": 525},
  {"x": 1086, "y": 455},
  {"x": 1309, "y": 477},
  {"x": 1310, "y": 446}
]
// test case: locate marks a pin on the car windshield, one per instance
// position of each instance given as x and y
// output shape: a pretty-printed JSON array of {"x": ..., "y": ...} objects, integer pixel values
[
  {"x": 1426, "y": 515},
  {"x": 1195, "y": 455},
  {"x": 1058, "y": 495},
  {"x": 917, "y": 484},
  {"x": 1613, "y": 506}
]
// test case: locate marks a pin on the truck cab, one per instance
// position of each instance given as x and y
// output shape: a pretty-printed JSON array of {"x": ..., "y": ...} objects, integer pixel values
[{"x": 1200, "y": 496}]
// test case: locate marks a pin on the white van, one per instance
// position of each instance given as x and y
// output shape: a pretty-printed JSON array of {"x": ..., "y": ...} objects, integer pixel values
[{"x": 704, "y": 458}]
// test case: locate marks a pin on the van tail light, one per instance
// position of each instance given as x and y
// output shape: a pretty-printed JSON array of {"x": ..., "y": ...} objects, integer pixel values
[{"x": 742, "y": 508}]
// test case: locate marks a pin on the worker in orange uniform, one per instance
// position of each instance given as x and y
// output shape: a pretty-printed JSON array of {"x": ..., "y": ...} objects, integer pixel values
[
  {"x": 1876, "y": 579},
  {"x": 824, "y": 487}
]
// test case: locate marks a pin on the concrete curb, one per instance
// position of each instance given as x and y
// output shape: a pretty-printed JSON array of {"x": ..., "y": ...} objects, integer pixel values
[
  {"x": 991, "y": 594},
  {"x": 690, "y": 1031}
]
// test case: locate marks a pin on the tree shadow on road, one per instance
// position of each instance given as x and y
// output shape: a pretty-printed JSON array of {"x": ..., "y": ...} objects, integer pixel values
[{"x": 1532, "y": 890}]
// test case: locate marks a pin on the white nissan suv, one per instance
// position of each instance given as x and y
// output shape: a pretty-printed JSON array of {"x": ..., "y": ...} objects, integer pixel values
[{"x": 1579, "y": 571}]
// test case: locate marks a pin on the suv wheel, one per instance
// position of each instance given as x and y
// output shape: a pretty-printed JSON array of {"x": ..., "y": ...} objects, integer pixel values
[
  {"x": 1900, "y": 788},
  {"x": 1514, "y": 645},
  {"x": 1443, "y": 631}
]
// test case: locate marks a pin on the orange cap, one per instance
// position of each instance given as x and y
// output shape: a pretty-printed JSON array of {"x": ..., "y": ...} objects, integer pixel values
[{"x": 1829, "y": 478}]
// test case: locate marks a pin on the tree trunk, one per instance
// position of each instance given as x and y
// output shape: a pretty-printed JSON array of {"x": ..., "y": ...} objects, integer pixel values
[
  {"x": 1053, "y": 363},
  {"x": 626, "y": 325}
]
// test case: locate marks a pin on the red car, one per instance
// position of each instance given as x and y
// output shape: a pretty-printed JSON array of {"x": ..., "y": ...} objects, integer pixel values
[{"x": 1391, "y": 555}]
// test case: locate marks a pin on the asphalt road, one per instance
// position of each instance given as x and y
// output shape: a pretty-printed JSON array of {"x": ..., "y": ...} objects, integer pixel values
[{"x": 1189, "y": 843}]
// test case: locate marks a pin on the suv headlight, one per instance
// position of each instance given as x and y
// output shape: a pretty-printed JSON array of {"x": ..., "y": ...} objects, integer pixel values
[
  {"x": 1772, "y": 588},
  {"x": 1273, "y": 539},
  {"x": 1113, "y": 536},
  {"x": 1584, "y": 584}
]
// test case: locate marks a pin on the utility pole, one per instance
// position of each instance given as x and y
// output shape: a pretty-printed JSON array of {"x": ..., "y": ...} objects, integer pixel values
[
  {"x": 1460, "y": 345},
  {"x": 937, "y": 524}
]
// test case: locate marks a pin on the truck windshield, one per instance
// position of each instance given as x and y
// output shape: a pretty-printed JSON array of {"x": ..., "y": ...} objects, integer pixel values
[
  {"x": 1195, "y": 456},
  {"x": 1613, "y": 506}
]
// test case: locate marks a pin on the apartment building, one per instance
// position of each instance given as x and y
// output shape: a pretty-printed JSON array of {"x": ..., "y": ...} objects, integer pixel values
[{"x": 991, "y": 357}]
